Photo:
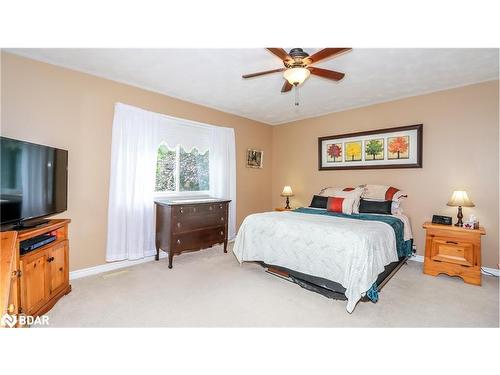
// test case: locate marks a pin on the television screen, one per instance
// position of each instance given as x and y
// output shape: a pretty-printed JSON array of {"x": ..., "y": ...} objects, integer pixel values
[{"x": 33, "y": 180}]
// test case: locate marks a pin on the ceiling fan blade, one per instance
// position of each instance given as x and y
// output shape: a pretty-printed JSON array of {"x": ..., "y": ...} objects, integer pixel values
[
  {"x": 280, "y": 52},
  {"x": 262, "y": 73},
  {"x": 287, "y": 86},
  {"x": 325, "y": 73},
  {"x": 326, "y": 52}
]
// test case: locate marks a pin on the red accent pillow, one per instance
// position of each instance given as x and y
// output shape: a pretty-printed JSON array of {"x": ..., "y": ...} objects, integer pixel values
[
  {"x": 389, "y": 194},
  {"x": 341, "y": 205},
  {"x": 335, "y": 204}
]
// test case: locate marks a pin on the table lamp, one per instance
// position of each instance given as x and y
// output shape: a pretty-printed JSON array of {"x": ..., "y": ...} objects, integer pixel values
[
  {"x": 459, "y": 198},
  {"x": 287, "y": 192}
]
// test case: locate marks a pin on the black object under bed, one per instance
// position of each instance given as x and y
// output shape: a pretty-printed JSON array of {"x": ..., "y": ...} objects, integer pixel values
[{"x": 328, "y": 288}]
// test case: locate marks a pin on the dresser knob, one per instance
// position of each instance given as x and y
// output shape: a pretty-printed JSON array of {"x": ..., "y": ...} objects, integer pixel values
[
  {"x": 220, "y": 206},
  {"x": 179, "y": 225},
  {"x": 221, "y": 233},
  {"x": 60, "y": 269},
  {"x": 178, "y": 242},
  {"x": 194, "y": 209},
  {"x": 210, "y": 208},
  {"x": 181, "y": 210},
  {"x": 222, "y": 218}
]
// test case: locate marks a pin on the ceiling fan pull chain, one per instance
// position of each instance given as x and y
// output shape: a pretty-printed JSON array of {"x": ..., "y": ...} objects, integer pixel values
[{"x": 297, "y": 95}]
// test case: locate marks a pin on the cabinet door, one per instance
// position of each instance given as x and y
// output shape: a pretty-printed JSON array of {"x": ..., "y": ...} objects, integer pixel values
[
  {"x": 14, "y": 303},
  {"x": 13, "y": 307},
  {"x": 34, "y": 282},
  {"x": 58, "y": 264}
]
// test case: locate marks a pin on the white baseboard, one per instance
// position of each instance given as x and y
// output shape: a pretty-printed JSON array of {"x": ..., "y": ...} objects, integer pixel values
[
  {"x": 417, "y": 258},
  {"x": 420, "y": 258},
  {"x": 84, "y": 272}
]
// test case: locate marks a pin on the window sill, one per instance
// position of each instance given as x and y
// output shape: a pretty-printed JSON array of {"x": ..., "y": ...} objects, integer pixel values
[{"x": 183, "y": 195}]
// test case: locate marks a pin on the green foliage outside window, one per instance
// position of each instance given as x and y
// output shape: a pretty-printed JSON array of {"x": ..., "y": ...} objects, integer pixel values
[{"x": 192, "y": 170}]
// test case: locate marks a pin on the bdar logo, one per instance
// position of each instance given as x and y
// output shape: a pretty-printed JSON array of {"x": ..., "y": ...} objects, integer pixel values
[{"x": 8, "y": 320}]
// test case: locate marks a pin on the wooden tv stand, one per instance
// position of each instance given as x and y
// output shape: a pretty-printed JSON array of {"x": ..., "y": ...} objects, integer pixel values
[{"x": 43, "y": 274}]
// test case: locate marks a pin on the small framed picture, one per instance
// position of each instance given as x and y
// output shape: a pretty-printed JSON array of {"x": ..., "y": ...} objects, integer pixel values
[{"x": 254, "y": 158}]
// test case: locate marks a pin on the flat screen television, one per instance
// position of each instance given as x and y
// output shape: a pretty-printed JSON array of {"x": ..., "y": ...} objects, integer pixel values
[{"x": 33, "y": 182}]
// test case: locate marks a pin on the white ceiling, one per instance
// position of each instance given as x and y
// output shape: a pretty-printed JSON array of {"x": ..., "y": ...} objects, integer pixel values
[{"x": 212, "y": 77}]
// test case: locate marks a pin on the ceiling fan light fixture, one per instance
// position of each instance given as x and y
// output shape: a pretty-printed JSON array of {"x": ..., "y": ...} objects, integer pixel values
[{"x": 296, "y": 76}]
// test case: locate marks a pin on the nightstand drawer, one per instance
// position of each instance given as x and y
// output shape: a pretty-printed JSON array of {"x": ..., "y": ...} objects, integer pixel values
[{"x": 452, "y": 251}]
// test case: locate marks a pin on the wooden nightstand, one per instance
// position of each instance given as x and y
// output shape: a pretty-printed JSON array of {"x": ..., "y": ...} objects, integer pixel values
[
  {"x": 283, "y": 209},
  {"x": 454, "y": 251}
]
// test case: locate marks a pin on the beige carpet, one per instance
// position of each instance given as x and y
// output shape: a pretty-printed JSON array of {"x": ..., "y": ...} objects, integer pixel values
[{"x": 210, "y": 288}]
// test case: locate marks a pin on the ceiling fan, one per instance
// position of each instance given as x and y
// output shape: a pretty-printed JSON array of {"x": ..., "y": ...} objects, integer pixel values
[{"x": 298, "y": 67}]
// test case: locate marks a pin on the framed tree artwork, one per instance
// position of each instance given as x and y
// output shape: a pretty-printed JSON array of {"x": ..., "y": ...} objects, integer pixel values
[
  {"x": 399, "y": 147},
  {"x": 334, "y": 153},
  {"x": 353, "y": 151},
  {"x": 374, "y": 149}
]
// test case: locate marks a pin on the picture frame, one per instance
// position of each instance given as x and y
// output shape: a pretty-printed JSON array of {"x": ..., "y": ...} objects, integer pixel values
[
  {"x": 255, "y": 158},
  {"x": 397, "y": 147}
]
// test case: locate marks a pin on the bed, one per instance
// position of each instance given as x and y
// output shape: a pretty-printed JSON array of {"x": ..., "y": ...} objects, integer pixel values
[{"x": 346, "y": 257}]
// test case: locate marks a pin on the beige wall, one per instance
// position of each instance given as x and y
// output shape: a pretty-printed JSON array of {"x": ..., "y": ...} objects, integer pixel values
[
  {"x": 50, "y": 105},
  {"x": 460, "y": 151}
]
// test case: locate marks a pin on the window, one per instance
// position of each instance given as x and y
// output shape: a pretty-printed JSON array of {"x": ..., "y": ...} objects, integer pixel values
[{"x": 180, "y": 171}]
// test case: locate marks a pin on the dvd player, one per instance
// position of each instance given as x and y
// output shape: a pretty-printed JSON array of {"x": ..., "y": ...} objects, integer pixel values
[{"x": 34, "y": 243}]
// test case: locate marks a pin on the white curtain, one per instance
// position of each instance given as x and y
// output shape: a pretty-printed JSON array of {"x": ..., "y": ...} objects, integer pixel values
[
  {"x": 133, "y": 163},
  {"x": 223, "y": 171},
  {"x": 136, "y": 136},
  {"x": 174, "y": 131}
]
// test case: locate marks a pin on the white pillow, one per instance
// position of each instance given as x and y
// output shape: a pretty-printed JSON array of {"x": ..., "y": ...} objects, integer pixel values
[
  {"x": 396, "y": 208},
  {"x": 382, "y": 193},
  {"x": 330, "y": 191}
]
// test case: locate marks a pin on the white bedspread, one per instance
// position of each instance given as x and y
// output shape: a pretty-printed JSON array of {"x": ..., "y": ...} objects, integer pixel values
[{"x": 348, "y": 251}]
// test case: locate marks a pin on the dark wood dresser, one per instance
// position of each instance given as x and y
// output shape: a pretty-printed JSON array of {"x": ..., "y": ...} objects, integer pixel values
[{"x": 188, "y": 225}]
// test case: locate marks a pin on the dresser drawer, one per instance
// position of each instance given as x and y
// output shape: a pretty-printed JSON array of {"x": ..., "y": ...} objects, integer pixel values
[
  {"x": 198, "y": 239},
  {"x": 199, "y": 209},
  {"x": 185, "y": 223},
  {"x": 452, "y": 251}
]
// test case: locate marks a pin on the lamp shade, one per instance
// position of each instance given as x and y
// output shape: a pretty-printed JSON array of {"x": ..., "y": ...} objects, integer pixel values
[
  {"x": 295, "y": 76},
  {"x": 287, "y": 191},
  {"x": 460, "y": 198}
]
